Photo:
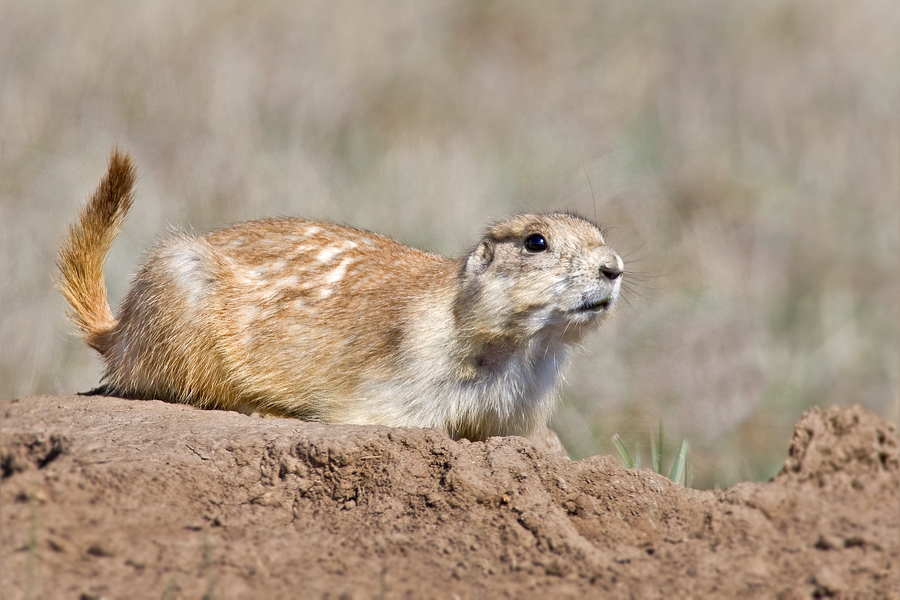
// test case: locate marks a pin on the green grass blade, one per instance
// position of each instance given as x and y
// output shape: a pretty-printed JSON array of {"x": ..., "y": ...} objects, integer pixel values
[
  {"x": 679, "y": 465},
  {"x": 656, "y": 448},
  {"x": 622, "y": 451}
]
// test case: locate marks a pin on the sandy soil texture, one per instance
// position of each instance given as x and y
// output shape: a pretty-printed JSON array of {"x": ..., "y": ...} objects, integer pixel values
[{"x": 110, "y": 498}]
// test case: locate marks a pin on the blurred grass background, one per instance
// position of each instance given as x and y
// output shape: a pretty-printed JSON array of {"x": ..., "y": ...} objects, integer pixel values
[{"x": 745, "y": 154}]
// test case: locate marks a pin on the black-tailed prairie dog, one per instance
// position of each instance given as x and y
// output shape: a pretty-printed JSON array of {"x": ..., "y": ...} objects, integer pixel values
[{"x": 323, "y": 322}]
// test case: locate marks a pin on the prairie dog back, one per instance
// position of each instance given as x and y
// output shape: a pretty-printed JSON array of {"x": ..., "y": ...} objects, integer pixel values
[{"x": 324, "y": 322}]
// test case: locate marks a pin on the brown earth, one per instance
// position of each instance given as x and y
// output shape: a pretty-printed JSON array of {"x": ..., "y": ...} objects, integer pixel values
[{"x": 110, "y": 498}]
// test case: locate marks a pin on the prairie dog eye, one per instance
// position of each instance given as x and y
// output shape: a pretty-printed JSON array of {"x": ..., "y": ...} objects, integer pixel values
[{"x": 535, "y": 242}]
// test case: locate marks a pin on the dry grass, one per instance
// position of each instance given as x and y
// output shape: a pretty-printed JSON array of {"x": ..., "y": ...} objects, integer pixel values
[{"x": 746, "y": 155}]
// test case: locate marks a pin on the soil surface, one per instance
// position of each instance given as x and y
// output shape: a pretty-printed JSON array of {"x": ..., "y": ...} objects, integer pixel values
[{"x": 110, "y": 498}]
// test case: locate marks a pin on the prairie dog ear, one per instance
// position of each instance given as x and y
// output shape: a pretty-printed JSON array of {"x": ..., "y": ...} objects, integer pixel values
[{"x": 480, "y": 258}]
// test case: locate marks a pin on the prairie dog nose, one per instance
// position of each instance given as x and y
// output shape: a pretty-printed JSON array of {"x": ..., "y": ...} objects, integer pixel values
[{"x": 612, "y": 267}]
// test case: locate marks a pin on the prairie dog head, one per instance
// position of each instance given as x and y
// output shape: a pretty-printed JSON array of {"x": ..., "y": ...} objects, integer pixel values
[{"x": 538, "y": 274}]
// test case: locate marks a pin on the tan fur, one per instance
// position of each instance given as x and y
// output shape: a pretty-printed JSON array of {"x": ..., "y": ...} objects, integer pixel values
[
  {"x": 329, "y": 323},
  {"x": 83, "y": 254}
]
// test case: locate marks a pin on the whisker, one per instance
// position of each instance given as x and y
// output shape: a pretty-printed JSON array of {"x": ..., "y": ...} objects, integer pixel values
[
  {"x": 593, "y": 199},
  {"x": 644, "y": 297},
  {"x": 629, "y": 276},
  {"x": 635, "y": 250}
]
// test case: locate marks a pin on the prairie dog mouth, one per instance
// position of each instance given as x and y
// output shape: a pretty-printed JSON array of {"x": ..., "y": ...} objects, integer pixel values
[
  {"x": 594, "y": 305},
  {"x": 600, "y": 305}
]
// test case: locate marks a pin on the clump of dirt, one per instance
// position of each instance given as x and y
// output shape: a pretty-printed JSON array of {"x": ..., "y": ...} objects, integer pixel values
[{"x": 103, "y": 497}]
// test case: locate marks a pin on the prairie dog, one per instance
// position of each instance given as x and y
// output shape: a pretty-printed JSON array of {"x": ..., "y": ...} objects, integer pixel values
[{"x": 323, "y": 322}]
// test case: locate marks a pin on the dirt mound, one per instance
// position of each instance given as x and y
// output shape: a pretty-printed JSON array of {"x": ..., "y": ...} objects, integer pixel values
[{"x": 111, "y": 498}]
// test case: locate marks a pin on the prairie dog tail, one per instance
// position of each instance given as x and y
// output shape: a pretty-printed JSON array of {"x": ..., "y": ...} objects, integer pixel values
[{"x": 83, "y": 254}]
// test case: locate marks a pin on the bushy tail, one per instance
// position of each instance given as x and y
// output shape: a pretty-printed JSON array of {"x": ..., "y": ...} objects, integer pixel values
[{"x": 83, "y": 254}]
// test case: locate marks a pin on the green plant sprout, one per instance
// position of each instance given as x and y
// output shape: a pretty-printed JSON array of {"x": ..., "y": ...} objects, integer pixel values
[{"x": 679, "y": 473}]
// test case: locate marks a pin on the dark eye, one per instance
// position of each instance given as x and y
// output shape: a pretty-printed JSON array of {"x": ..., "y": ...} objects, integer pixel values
[{"x": 535, "y": 243}]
